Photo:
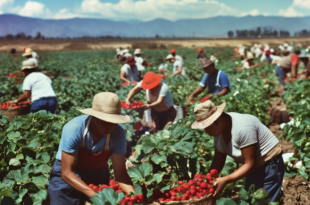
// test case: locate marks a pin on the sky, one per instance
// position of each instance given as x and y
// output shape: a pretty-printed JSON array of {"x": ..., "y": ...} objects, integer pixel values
[{"x": 146, "y": 10}]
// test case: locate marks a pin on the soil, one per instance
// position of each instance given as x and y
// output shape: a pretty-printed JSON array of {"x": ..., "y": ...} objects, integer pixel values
[{"x": 296, "y": 191}]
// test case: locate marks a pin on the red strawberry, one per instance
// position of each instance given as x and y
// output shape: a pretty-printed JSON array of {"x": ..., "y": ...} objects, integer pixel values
[
  {"x": 114, "y": 186},
  {"x": 178, "y": 198},
  {"x": 211, "y": 182},
  {"x": 192, "y": 187},
  {"x": 167, "y": 200},
  {"x": 95, "y": 188},
  {"x": 140, "y": 196},
  {"x": 204, "y": 185},
  {"x": 161, "y": 199},
  {"x": 193, "y": 192},
  {"x": 205, "y": 192},
  {"x": 209, "y": 177},
  {"x": 214, "y": 173},
  {"x": 181, "y": 182},
  {"x": 211, "y": 190},
  {"x": 91, "y": 185},
  {"x": 191, "y": 182},
  {"x": 173, "y": 198}
]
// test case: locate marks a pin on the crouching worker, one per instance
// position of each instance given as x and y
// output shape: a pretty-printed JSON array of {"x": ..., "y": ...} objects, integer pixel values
[
  {"x": 87, "y": 143},
  {"x": 244, "y": 138}
]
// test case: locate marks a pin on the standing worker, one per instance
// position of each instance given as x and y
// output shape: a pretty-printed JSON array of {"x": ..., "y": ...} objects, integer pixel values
[
  {"x": 130, "y": 71},
  {"x": 177, "y": 66},
  {"x": 29, "y": 53},
  {"x": 159, "y": 99},
  {"x": 216, "y": 80},
  {"x": 201, "y": 54},
  {"x": 287, "y": 64},
  {"x": 37, "y": 86},
  {"x": 87, "y": 143},
  {"x": 138, "y": 57},
  {"x": 244, "y": 138}
]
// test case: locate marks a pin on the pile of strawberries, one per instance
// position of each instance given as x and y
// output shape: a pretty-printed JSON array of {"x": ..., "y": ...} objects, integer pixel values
[
  {"x": 162, "y": 71},
  {"x": 128, "y": 200},
  {"x": 11, "y": 75},
  {"x": 197, "y": 188},
  {"x": 203, "y": 99},
  {"x": 131, "y": 83},
  {"x": 20, "y": 104},
  {"x": 133, "y": 105}
]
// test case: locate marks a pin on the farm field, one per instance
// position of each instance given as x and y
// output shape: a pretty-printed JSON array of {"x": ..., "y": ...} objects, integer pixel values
[{"x": 29, "y": 143}]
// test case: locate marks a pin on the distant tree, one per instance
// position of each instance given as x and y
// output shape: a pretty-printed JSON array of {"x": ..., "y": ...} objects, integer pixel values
[
  {"x": 9, "y": 37},
  {"x": 157, "y": 36},
  {"x": 38, "y": 36},
  {"x": 230, "y": 34}
]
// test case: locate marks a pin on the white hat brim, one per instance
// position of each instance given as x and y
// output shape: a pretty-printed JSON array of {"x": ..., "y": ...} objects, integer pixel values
[{"x": 113, "y": 118}]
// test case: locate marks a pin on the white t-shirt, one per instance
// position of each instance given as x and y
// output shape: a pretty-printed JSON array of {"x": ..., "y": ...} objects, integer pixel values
[
  {"x": 40, "y": 86},
  {"x": 35, "y": 55},
  {"x": 164, "y": 92},
  {"x": 179, "y": 58},
  {"x": 131, "y": 74},
  {"x": 246, "y": 130},
  {"x": 139, "y": 59},
  {"x": 257, "y": 52},
  {"x": 176, "y": 64},
  {"x": 140, "y": 67}
]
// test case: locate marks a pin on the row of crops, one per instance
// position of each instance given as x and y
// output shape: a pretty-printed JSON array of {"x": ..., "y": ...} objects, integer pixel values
[{"x": 28, "y": 144}]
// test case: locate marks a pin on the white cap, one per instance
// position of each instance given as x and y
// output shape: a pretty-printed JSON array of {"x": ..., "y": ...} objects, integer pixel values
[
  {"x": 118, "y": 50},
  {"x": 170, "y": 56},
  {"x": 137, "y": 51},
  {"x": 285, "y": 45},
  {"x": 125, "y": 51},
  {"x": 249, "y": 55},
  {"x": 29, "y": 64}
]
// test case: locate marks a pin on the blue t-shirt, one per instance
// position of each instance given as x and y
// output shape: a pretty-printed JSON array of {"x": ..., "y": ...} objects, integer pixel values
[
  {"x": 72, "y": 138},
  {"x": 210, "y": 82}
]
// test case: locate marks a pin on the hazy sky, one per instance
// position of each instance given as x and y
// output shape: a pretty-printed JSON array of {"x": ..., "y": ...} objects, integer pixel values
[{"x": 150, "y": 9}]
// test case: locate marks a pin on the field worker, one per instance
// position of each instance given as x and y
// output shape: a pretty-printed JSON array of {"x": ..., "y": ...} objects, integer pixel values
[
  {"x": 241, "y": 50},
  {"x": 215, "y": 80},
  {"x": 201, "y": 54},
  {"x": 177, "y": 57},
  {"x": 270, "y": 58},
  {"x": 287, "y": 64},
  {"x": 159, "y": 99},
  {"x": 118, "y": 54},
  {"x": 248, "y": 62},
  {"x": 286, "y": 49},
  {"x": 37, "y": 86},
  {"x": 258, "y": 51},
  {"x": 130, "y": 72},
  {"x": 87, "y": 143},
  {"x": 29, "y": 53},
  {"x": 177, "y": 66},
  {"x": 138, "y": 57},
  {"x": 125, "y": 53},
  {"x": 303, "y": 57},
  {"x": 308, "y": 69},
  {"x": 249, "y": 142}
]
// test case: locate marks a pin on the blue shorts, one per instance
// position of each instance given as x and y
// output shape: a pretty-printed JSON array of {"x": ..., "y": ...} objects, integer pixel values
[
  {"x": 49, "y": 104},
  {"x": 268, "y": 176},
  {"x": 280, "y": 74}
]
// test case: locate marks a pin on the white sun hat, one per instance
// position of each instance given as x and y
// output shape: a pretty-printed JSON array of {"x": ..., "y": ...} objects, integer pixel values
[
  {"x": 29, "y": 64},
  {"x": 125, "y": 51},
  {"x": 137, "y": 51},
  {"x": 170, "y": 56},
  {"x": 118, "y": 50},
  {"x": 28, "y": 52}
]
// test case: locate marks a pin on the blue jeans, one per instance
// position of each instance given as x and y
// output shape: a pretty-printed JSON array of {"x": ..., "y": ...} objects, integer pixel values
[
  {"x": 268, "y": 176},
  {"x": 62, "y": 193},
  {"x": 49, "y": 104},
  {"x": 281, "y": 74}
]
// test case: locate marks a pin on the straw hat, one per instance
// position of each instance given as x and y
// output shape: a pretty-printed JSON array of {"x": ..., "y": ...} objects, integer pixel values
[
  {"x": 170, "y": 56},
  {"x": 130, "y": 61},
  {"x": 249, "y": 55},
  {"x": 137, "y": 51},
  {"x": 106, "y": 107},
  {"x": 28, "y": 52},
  {"x": 29, "y": 64},
  {"x": 205, "y": 62},
  {"x": 206, "y": 113},
  {"x": 150, "y": 80},
  {"x": 125, "y": 51}
]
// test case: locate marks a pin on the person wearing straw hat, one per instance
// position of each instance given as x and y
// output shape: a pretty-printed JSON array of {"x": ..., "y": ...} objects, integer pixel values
[
  {"x": 87, "y": 143},
  {"x": 248, "y": 62},
  {"x": 216, "y": 80},
  {"x": 288, "y": 64},
  {"x": 159, "y": 100},
  {"x": 201, "y": 54},
  {"x": 249, "y": 142},
  {"x": 126, "y": 54},
  {"x": 131, "y": 72},
  {"x": 37, "y": 86},
  {"x": 304, "y": 57},
  {"x": 177, "y": 57},
  {"x": 138, "y": 57},
  {"x": 177, "y": 66},
  {"x": 29, "y": 53}
]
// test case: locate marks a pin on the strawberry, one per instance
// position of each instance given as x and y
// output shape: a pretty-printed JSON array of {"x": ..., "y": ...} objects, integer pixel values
[
  {"x": 181, "y": 182},
  {"x": 178, "y": 189},
  {"x": 184, "y": 198},
  {"x": 161, "y": 199},
  {"x": 192, "y": 187},
  {"x": 198, "y": 183},
  {"x": 167, "y": 195},
  {"x": 193, "y": 192},
  {"x": 172, "y": 193},
  {"x": 114, "y": 186},
  {"x": 178, "y": 198},
  {"x": 209, "y": 177},
  {"x": 140, "y": 196},
  {"x": 95, "y": 188},
  {"x": 167, "y": 200},
  {"x": 91, "y": 185},
  {"x": 173, "y": 198},
  {"x": 211, "y": 182},
  {"x": 211, "y": 190},
  {"x": 204, "y": 185},
  {"x": 205, "y": 192},
  {"x": 129, "y": 203},
  {"x": 214, "y": 173},
  {"x": 191, "y": 182}
]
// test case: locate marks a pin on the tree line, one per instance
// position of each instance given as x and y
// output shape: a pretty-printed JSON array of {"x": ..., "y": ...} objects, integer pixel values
[
  {"x": 258, "y": 32},
  {"x": 303, "y": 32}
]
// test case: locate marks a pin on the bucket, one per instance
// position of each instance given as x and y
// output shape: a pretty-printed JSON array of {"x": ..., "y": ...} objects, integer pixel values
[{"x": 180, "y": 114}]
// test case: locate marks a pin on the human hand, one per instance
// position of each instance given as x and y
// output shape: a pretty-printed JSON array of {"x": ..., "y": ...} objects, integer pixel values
[
  {"x": 221, "y": 182},
  {"x": 11, "y": 102},
  {"x": 146, "y": 107},
  {"x": 127, "y": 101},
  {"x": 190, "y": 97}
]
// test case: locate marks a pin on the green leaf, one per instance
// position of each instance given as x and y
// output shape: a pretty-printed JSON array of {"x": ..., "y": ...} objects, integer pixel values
[
  {"x": 14, "y": 162},
  {"x": 105, "y": 197},
  {"x": 137, "y": 188},
  {"x": 243, "y": 194},
  {"x": 135, "y": 174},
  {"x": 260, "y": 194},
  {"x": 43, "y": 168},
  {"x": 3, "y": 163},
  {"x": 18, "y": 175},
  {"x": 12, "y": 135},
  {"x": 243, "y": 202},
  {"x": 40, "y": 181},
  {"x": 225, "y": 201},
  {"x": 302, "y": 172},
  {"x": 158, "y": 158},
  {"x": 38, "y": 197},
  {"x": 145, "y": 169},
  {"x": 148, "y": 147},
  {"x": 22, "y": 193}
]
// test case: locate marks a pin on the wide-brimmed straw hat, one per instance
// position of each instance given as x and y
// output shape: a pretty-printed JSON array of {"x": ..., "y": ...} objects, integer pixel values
[
  {"x": 28, "y": 52},
  {"x": 29, "y": 64},
  {"x": 206, "y": 114},
  {"x": 205, "y": 62},
  {"x": 170, "y": 56},
  {"x": 150, "y": 80},
  {"x": 130, "y": 61},
  {"x": 137, "y": 51},
  {"x": 249, "y": 55},
  {"x": 106, "y": 107}
]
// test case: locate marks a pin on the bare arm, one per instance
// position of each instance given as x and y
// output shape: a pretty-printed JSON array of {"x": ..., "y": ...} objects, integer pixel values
[
  {"x": 196, "y": 92},
  {"x": 140, "y": 74},
  {"x": 249, "y": 157},
  {"x": 122, "y": 77},
  {"x": 294, "y": 71},
  {"x": 68, "y": 163},
  {"x": 121, "y": 175},
  {"x": 178, "y": 72},
  {"x": 132, "y": 93},
  {"x": 223, "y": 92},
  {"x": 23, "y": 97},
  {"x": 158, "y": 101},
  {"x": 218, "y": 161}
]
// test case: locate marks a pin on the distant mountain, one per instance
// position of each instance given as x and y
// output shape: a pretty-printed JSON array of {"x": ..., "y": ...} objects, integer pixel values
[{"x": 77, "y": 27}]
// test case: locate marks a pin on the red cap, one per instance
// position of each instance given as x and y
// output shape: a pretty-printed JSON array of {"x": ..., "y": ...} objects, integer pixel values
[
  {"x": 130, "y": 60},
  {"x": 172, "y": 50},
  {"x": 201, "y": 50},
  {"x": 150, "y": 80},
  {"x": 25, "y": 49},
  {"x": 267, "y": 52}
]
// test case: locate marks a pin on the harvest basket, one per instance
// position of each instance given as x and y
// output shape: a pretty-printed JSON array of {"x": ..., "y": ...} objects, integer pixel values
[{"x": 11, "y": 112}]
